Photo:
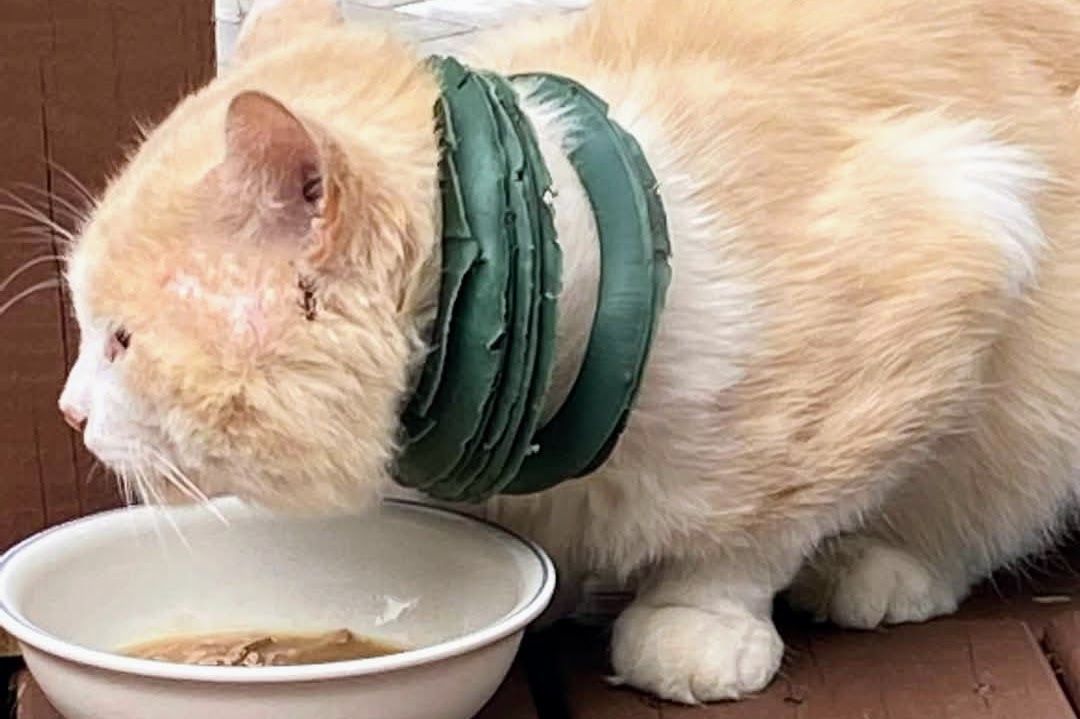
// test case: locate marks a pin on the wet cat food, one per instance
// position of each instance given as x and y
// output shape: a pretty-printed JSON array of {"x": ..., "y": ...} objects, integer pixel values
[{"x": 259, "y": 649}]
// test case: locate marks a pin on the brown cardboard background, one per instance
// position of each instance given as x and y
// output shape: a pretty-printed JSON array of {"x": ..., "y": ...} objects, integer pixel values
[{"x": 74, "y": 75}]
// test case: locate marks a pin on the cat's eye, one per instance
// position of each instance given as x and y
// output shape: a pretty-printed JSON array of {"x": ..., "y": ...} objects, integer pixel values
[{"x": 118, "y": 342}]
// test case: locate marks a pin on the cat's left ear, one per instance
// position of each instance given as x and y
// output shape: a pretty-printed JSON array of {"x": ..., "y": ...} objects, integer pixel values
[{"x": 273, "y": 159}]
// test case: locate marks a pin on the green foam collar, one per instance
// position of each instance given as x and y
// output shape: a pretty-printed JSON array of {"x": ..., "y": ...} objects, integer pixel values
[{"x": 472, "y": 428}]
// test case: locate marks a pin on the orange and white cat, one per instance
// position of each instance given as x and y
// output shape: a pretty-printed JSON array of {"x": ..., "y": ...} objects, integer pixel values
[{"x": 869, "y": 364}]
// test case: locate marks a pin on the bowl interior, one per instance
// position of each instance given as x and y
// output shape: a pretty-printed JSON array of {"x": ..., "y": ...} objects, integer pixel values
[{"x": 403, "y": 573}]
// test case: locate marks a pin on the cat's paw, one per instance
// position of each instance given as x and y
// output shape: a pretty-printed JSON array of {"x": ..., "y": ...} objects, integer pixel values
[
  {"x": 692, "y": 656},
  {"x": 863, "y": 583}
]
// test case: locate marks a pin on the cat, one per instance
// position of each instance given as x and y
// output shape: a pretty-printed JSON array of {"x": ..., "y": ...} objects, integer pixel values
[{"x": 866, "y": 382}]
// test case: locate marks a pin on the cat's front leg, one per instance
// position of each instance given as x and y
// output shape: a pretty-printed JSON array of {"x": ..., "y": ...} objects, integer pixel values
[{"x": 701, "y": 630}]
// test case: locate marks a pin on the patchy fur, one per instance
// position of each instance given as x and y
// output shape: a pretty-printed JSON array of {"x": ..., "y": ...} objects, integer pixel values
[{"x": 871, "y": 348}]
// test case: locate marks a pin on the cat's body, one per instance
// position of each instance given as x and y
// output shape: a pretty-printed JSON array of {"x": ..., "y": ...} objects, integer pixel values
[{"x": 872, "y": 330}]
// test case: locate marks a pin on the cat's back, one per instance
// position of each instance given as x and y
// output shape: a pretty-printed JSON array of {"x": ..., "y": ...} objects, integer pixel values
[
  {"x": 771, "y": 93},
  {"x": 827, "y": 140},
  {"x": 753, "y": 31},
  {"x": 844, "y": 43}
]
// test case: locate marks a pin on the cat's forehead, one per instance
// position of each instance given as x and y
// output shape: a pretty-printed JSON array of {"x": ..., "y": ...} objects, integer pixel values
[
  {"x": 243, "y": 296},
  {"x": 193, "y": 286}
]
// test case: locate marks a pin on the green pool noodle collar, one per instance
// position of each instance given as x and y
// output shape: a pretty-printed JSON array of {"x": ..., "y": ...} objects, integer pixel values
[{"x": 472, "y": 428}]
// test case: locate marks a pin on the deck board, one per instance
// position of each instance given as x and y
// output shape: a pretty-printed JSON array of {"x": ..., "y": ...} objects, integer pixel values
[
  {"x": 1063, "y": 646},
  {"x": 953, "y": 668},
  {"x": 30, "y": 702},
  {"x": 513, "y": 700}
]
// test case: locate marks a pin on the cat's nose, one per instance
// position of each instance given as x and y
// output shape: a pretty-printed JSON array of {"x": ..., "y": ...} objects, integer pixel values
[{"x": 75, "y": 419}]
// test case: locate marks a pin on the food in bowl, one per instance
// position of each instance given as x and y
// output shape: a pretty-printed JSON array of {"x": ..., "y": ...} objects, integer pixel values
[
  {"x": 455, "y": 592},
  {"x": 260, "y": 649}
]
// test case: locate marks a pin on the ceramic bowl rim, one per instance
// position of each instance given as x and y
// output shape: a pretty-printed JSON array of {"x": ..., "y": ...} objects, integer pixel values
[{"x": 525, "y": 611}]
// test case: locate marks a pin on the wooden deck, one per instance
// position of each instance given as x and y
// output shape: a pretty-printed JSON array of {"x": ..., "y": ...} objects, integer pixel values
[{"x": 1013, "y": 651}]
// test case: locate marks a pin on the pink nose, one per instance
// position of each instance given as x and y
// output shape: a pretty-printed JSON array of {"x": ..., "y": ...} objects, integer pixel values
[{"x": 75, "y": 419}]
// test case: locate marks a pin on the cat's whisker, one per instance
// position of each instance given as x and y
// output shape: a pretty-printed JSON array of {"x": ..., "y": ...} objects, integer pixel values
[
  {"x": 152, "y": 495},
  {"x": 171, "y": 474},
  {"x": 151, "y": 499},
  {"x": 75, "y": 182},
  {"x": 122, "y": 468},
  {"x": 30, "y": 240},
  {"x": 36, "y": 234},
  {"x": 142, "y": 129},
  {"x": 28, "y": 265},
  {"x": 24, "y": 203},
  {"x": 134, "y": 461},
  {"x": 161, "y": 507},
  {"x": 144, "y": 498},
  {"x": 127, "y": 490},
  {"x": 95, "y": 468},
  {"x": 42, "y": 233},
  {"x": 184, "y": 484},
  {"x": 172, "y": 481},
  {"x": 27, "y": 210},
  {"x": 76, "y": 214},
  {"x": 39, "y": 218},
  {"x": 166, "y": 465},
  {"x": 33, "y": 289}
]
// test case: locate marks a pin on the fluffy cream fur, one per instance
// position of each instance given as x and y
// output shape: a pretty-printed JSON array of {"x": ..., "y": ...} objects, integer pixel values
[{"x": 871, "y": 349}]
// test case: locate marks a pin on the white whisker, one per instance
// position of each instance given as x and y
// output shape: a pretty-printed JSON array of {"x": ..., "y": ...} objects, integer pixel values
[
  {"x": 173, "y": 482},
  {"x": 155, "y": 501},
  {"x": 25, "y": 209},
  {"x": 160, "y": 507},
  {"x": 29, "y": 238},
  {"x": 92, "y": 472},
  {"x": 127, "y": 489},
  {"x": 142, "y": 490},
  {"x": 184, "y": 484},
  {"x": 75, "y": 183},
  {"x": 36, "y": 234},
  {"x": 46, "y": 285},
  {"x": 41, "y": 220},
  {"x": 28, "y": 265},
  {"x": 77, "y": 214}
]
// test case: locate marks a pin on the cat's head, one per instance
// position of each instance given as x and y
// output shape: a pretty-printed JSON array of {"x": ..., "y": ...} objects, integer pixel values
[{"x": 248, "y": 287}]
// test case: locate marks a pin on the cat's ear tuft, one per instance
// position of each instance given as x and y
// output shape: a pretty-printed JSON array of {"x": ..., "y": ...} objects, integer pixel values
[{"x": 270, "y": 23}]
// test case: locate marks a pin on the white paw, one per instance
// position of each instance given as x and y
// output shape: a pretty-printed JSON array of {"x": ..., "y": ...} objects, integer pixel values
[
  {"x": 691, "y": 656},
  {"x": 862, "y": 584}
]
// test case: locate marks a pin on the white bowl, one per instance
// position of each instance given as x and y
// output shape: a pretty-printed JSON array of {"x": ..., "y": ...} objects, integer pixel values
[{"x": 456, "y": 591}]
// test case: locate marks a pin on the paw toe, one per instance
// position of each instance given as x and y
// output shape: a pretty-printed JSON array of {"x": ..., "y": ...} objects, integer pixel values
[
  {"x": 691, "y": 656},
  {"x": 871, "y": 585}
]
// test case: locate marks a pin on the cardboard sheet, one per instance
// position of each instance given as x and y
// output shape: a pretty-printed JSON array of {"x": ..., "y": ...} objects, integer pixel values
[{"x": 77, "y": 74}]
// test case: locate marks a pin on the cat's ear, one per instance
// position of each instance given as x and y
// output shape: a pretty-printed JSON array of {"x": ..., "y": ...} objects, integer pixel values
[
  {"x": 275, "y": 160},
  {"x": 271, "y": 23},
  {"x": 265, "y": 141}
]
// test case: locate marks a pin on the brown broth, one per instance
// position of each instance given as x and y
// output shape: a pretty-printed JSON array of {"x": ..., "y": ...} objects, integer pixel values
[{"x": 260, "y": 649}]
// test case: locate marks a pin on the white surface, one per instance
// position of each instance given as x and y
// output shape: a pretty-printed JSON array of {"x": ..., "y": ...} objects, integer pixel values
[
  {"x": 455, "y": 591},
  {"x": 439, "y": 24}
]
